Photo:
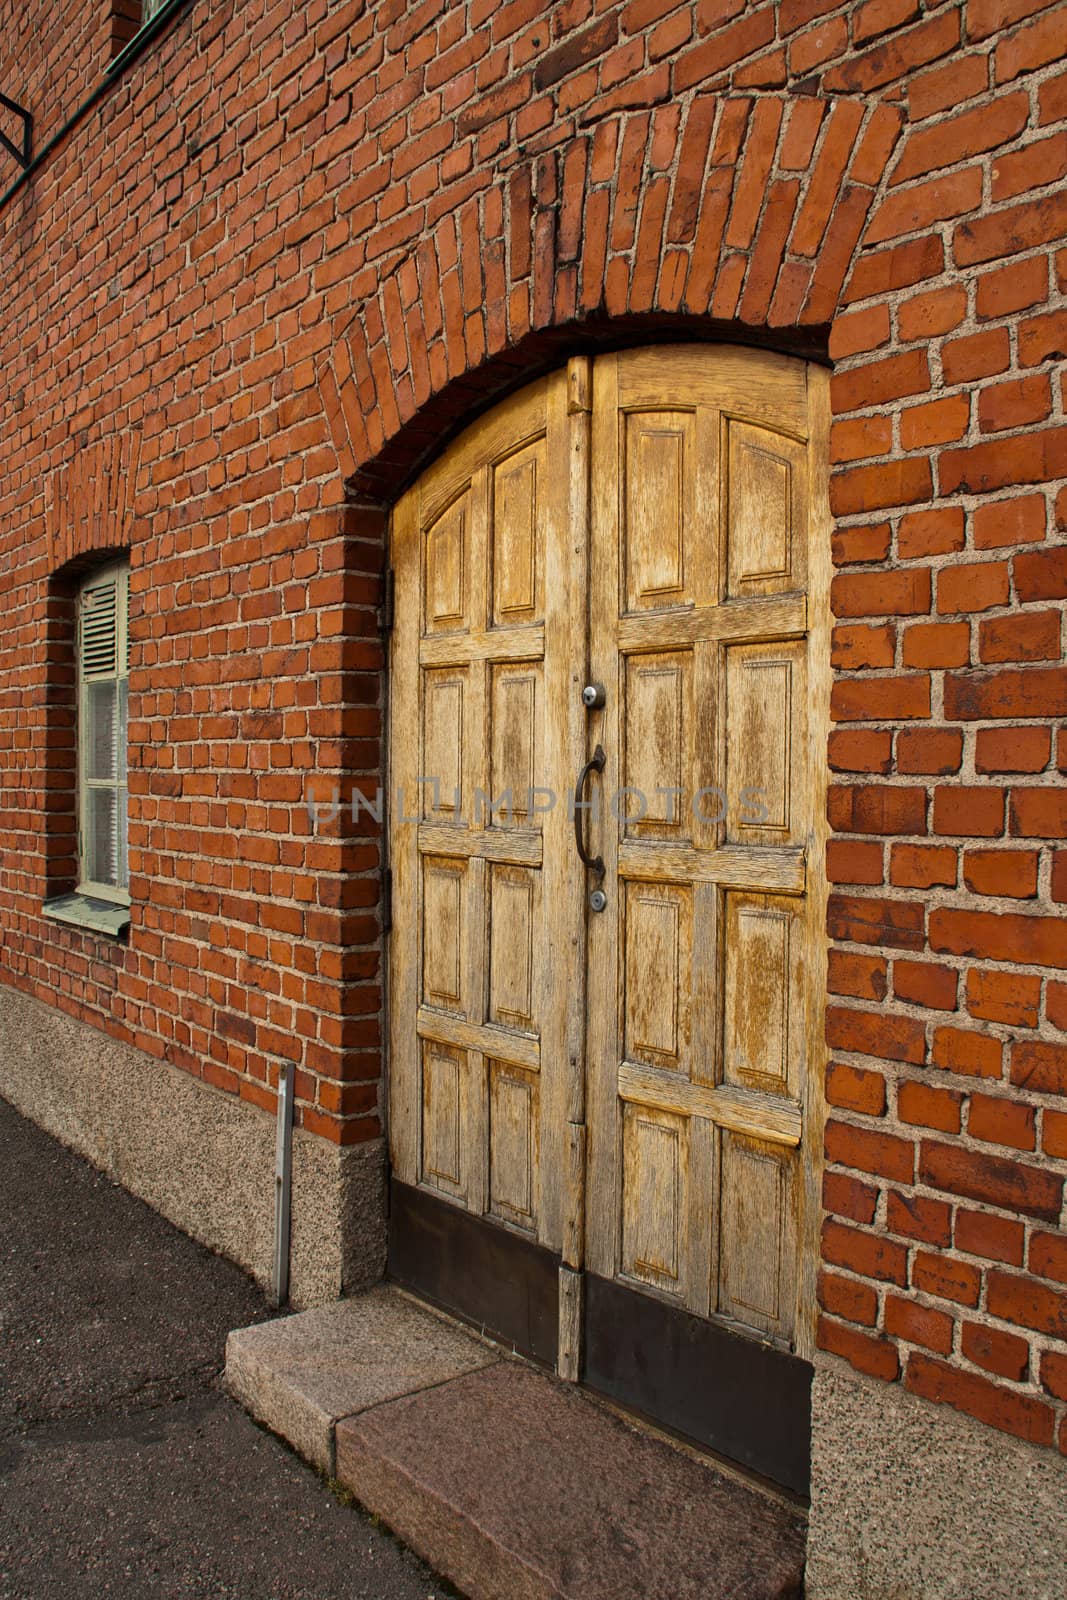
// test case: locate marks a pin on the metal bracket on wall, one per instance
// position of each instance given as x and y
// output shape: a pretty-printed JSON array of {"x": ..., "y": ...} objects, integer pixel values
[{"x": 25, "y": 155}]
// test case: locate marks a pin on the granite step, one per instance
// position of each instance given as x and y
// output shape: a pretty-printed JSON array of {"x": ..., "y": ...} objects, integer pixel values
[
  {"x": 299, "y": 1375},
  {"x": 511, "y": 1484}
]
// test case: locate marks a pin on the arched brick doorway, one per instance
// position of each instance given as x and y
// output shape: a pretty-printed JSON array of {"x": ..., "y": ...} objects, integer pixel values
[
  {"x": 640, "y": 227},
  {"x": 580, "y": 250}
]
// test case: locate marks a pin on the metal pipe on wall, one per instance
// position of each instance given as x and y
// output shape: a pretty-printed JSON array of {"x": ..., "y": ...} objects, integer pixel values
[{"x": 283, "y": 1187}]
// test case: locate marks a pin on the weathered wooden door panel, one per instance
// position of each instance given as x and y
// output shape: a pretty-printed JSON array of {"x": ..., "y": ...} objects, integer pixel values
[
  {"x": 704, "y": 981},
  {"x": 489, "y": 556},
  {"x": 630, "y": 1093}
]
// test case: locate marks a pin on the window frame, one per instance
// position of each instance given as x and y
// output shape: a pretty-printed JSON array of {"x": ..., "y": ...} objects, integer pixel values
[{"x": 119, "y": 569}]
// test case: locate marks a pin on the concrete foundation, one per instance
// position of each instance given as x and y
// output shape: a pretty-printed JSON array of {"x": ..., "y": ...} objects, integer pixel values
[
  {"x": 913, "y": 1501},
  {"x": 202, "y": 1158}
]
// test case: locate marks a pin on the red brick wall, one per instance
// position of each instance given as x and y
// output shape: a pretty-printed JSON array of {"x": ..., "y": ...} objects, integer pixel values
[
  {"x": 303, "y": 242},
  {"x": 51, "y": 58},
  {"x": 945, "y": 1255}
]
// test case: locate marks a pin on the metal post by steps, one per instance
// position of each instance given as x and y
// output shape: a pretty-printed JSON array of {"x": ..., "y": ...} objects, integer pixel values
[{"x": 283, "y": 1187}]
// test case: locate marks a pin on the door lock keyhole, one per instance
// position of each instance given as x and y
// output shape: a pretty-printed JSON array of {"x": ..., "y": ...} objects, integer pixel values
[{"x": 594, "y": 696}]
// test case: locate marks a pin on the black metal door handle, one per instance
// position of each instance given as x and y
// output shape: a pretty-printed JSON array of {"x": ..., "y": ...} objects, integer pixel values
[{"x": 596, "y": 763}]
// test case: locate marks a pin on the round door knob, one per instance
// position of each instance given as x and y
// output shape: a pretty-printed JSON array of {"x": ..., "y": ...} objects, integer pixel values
[
  {"x": 598, "y": 900},
  {"x": 593, "y": 696}
]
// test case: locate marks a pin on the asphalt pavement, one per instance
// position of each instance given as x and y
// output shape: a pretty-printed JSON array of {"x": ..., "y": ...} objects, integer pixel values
[{"x": 125, "y": 1470}]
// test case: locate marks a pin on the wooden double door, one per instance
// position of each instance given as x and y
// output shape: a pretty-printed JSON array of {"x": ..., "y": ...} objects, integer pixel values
[{"x": 607, "y": 715}]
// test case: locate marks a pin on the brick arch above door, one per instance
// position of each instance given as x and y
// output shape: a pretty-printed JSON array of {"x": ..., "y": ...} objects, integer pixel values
[{"x": 740, "y": 213}]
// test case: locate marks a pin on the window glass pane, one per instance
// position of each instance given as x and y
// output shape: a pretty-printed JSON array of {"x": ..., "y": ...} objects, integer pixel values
[
  {"x": 100, "y": 741},
  {"x": 124, "y": 859},
  {"x": 101, "y": 837},
  {"x": 124, "y": 697}
]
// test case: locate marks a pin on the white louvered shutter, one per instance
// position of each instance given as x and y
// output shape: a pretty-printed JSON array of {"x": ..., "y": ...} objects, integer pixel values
[{"x": 103, "y": 670}]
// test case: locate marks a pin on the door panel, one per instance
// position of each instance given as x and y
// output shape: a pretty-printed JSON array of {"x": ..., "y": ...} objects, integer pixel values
[
  {"x": 657, "y": 556},
  {"x": 655, "y": 1191},
  {"x": 657, "y": 744},
  {"x": 763, "y": 1029},
  {"x": 766, "y": 494},
  {"x": 483, "y": 1027},
  {"x": 757, "y": 1252},
  {"x": 627, "y": 1099},
  {"x": 703, "y": 1019},
  {"x": 764, "y": 706}
]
